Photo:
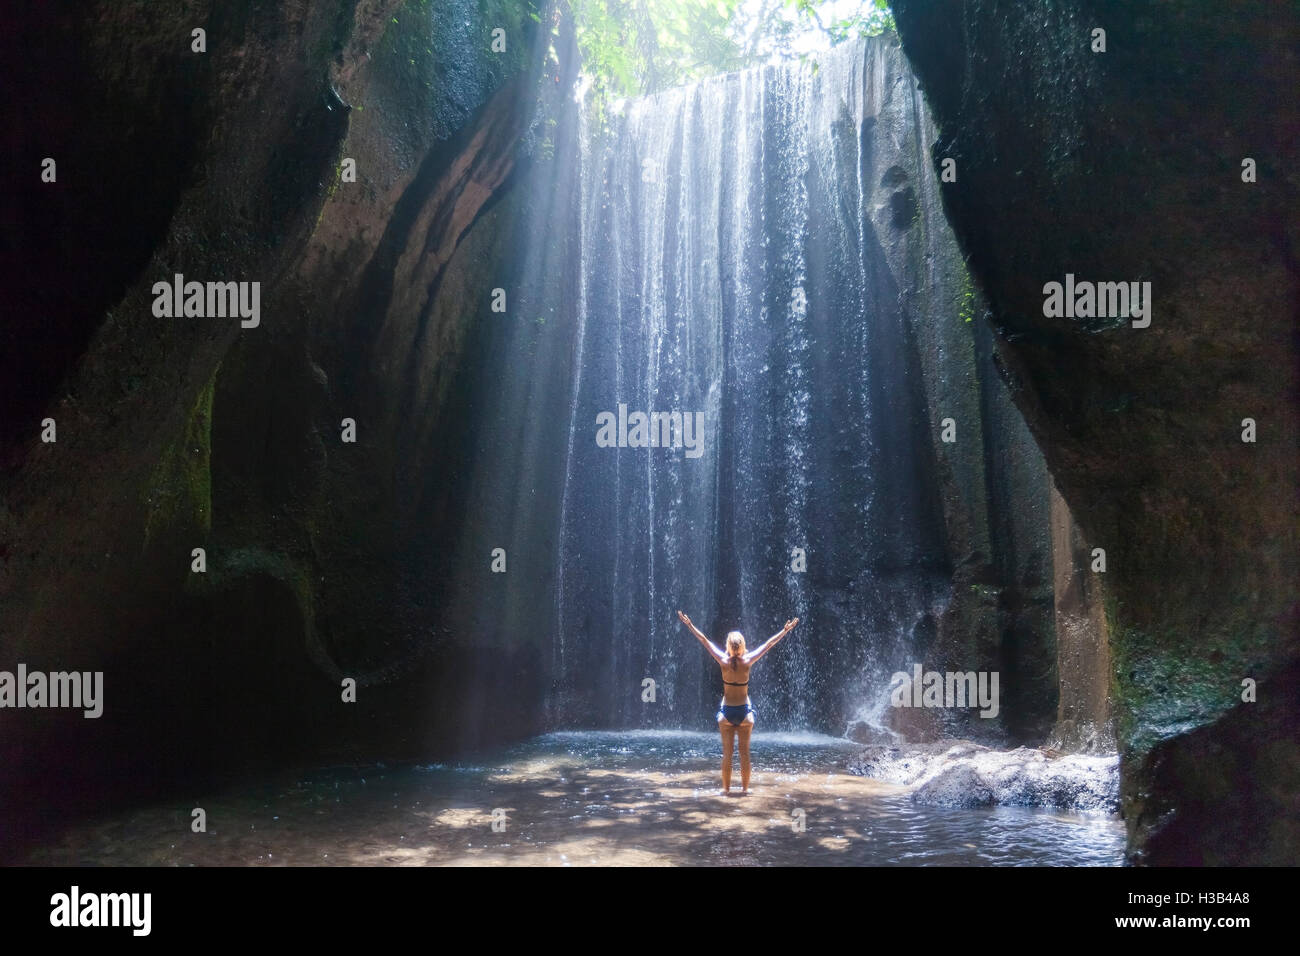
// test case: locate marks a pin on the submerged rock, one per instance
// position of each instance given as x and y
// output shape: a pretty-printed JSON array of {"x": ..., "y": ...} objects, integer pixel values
[
  {"x": 964, "y": 774},
  {"x": 958, "y": 785}
]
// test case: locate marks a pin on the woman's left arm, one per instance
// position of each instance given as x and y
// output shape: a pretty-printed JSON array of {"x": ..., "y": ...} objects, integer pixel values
[
  {"x": 714, "y": 651},
  {"x": 771, "y": 642}
]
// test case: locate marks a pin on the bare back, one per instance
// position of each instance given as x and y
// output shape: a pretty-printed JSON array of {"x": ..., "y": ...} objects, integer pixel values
[{"x": 735, "y": 670}]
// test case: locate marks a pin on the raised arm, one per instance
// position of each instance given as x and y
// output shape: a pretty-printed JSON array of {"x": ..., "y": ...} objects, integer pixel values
[
  {"x": 771, "y": 642},
  {"x": 714, "y": 652}
]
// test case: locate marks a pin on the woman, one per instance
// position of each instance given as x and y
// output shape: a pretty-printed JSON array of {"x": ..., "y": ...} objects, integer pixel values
[{"x": 736, "y": 715}]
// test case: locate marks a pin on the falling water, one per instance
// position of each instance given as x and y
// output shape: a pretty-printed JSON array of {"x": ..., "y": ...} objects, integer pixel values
[{"x": 729, "y": 264}]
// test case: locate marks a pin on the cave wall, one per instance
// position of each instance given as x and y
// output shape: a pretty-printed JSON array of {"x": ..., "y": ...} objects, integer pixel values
[
  {"x": 194, "y": 432},
  {"x": 992, "y": 479},
  {"x": 1127, "y": 165},
  {"x": 1084, "y": 718}
]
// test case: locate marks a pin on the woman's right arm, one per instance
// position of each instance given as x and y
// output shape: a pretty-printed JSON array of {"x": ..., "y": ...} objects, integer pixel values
[{"x": 714, "y": 652}]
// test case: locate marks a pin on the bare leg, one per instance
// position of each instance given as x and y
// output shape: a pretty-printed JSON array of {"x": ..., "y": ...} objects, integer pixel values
[
  {"x": 728, "y": 740},
  {"x": 743, "y": 732}
]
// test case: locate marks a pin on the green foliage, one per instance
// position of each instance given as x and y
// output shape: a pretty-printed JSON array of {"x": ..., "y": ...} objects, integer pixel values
[
  {"x": 631, "y": 47},
  {"x": 967, "y": 296},
  {"x": 636, "y": 47},
  {"x": 867, "y": 19}
]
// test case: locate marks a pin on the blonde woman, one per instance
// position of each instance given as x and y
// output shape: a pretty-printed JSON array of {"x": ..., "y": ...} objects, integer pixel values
[{"x": 736, "y": 714}]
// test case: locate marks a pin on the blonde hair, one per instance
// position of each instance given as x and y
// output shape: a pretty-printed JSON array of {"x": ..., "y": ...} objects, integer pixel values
[{"x": 735, "y": 640}]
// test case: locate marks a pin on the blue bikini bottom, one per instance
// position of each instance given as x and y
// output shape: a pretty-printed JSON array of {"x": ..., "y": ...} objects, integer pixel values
[{"x": 736, "y": 713}]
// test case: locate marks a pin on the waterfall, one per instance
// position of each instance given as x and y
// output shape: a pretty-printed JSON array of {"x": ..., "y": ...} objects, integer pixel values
[{"x": 732, "y": 261}]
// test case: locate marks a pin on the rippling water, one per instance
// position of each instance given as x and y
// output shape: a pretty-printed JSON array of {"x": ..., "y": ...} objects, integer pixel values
[{"x": 637, "y": 798}]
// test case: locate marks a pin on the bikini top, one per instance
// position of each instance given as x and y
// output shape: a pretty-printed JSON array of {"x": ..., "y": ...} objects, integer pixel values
[{"x": 730, "y": 684}]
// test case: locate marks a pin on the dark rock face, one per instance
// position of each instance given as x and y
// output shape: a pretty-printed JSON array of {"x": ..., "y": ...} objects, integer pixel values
[
  {"x": 1213, "y": 810},
  {"x": 992, "y": 479},
  {"x": 1084, "y": 719},
  {"x": 1123, "y": 166},
  {"x": 182, "y": 433}
]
